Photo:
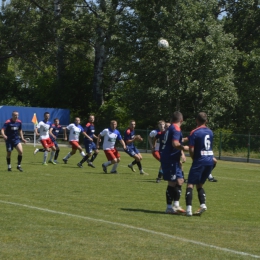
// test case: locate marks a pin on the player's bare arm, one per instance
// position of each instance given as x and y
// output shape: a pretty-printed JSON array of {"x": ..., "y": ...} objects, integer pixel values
[
  {"x": 177, "y": 145},
  {"x": 123, "y": 144},
  {"x": 191, "y": 151},
  {"x": 52, "y": 133},
  {"x": 21, "y": 135},
  {"x": 98, "y": 140}
]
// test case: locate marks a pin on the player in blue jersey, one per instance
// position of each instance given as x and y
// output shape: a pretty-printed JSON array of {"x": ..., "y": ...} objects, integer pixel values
[
  {"x": 201, "y": 152},
  {"x": 55, "y": 130},
  {"x": 129, "y": 138},
  {"x": 89, "y": 143},
  {"x": 11, "y": 132},
  {"x": 171, "y": 166}
]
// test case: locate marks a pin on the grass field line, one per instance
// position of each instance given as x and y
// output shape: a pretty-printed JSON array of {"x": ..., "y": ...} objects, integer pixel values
[{"x": 132, "y": 227}]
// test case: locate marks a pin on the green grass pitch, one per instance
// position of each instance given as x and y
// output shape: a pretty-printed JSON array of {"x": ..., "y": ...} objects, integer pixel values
[{"x": 65, "y": 212}]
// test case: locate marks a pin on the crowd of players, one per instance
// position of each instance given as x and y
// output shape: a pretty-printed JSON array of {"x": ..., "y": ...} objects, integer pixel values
[{"x": 166, "y": 143}]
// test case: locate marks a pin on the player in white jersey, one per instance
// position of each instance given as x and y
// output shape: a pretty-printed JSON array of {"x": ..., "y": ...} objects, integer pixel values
[
  {"x": 44, "y": 128},
  {"x": 111, "y": 135},
  {"x": 75, "y": 130}
]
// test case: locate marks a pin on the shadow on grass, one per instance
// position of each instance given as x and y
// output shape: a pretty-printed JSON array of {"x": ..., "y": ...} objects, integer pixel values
[{"x": 144, "y": 210}]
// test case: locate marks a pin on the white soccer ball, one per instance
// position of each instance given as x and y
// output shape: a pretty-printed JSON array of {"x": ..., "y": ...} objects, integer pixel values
[{"x": 163, "y": 44}]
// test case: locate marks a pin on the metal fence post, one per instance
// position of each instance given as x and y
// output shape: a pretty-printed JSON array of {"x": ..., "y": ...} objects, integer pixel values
[
  {"x": 219, "y": 145},
  {"x": 248, "y": 147}
]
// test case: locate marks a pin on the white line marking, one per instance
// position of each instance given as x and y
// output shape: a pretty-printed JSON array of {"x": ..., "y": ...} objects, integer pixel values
[{"x": 133, "y": 227}]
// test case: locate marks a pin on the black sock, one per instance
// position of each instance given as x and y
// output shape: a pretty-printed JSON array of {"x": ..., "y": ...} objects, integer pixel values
[
  {"x": 188, "y": 197},
  {"x": 56, "y": 154},
  {"x": 139, "y": 165},
  {"x": 159, "y": 175},
  {"x": 93, "y": 157},
  {"x": 169, "y": 194},
  {"x": 42, "y": 150},
  {"x": 134, "y": 162},
  {"x": 201, "y": 195},
  {"x": 177, "y": 193},
  {"x": 8, "y": 160},
  {"x": 19, "y": 159},
  {"x": 84, "y": 158}
]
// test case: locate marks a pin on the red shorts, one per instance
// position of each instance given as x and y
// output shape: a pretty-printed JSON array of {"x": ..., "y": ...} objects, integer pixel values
[
  {"x": 112, "y": 154},
  {"x": 74, "y": 144},
  {"x": 156, "y": 155},
  {"x": 47, "y": 143}
]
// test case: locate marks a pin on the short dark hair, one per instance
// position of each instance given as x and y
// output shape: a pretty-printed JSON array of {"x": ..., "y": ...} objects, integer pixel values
[
  {"x": 177, "y": 117},
  {"x": 46, "y": 113},
  {"x": 202, "y": 117}
]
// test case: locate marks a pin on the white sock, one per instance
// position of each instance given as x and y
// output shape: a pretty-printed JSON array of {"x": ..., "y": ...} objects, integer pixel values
[
  {"x": 83, "y": 154},
  {"x": 52, "y": 155},
  {"x": 189, "y": 208},
  {"x": 114, "y": 167},
  {"x": 45, "y": 155},
  {"x": 210, "y": 176},
  {"x": 67, "y": 156},
  {"x": 9, "y": 166},
  {"x": 176, "y": 203},
  {"x": 107, "y": 163}
]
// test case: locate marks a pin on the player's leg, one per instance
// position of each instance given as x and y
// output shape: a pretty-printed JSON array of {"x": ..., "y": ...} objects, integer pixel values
[
  {"x": 111, "y": 159},
  {"x": 116, "y": 161},
  {"x": 46, "y": 151},
  {"x": 19, "y": 149},
  {"x": 211, "y": 178},
  {"x": 57, "y": 151},
  {"x": 9, "y": 149}
]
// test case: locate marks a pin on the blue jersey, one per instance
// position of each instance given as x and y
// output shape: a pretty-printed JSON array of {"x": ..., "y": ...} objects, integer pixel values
[
  {"x": 129, "y": 135},
  {"x": 12, "y": 129},
  {"x": 201, "y": 139},
  {"x": 56, "y": 129},
  {"x": 160, "y": 139},
  {"x": 90, "y": 131},
  {"x": 169, "y": 153}
]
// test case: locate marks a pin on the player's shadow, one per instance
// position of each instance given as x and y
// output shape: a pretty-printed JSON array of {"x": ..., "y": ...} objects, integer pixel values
[{"x": 144, "y": 211}]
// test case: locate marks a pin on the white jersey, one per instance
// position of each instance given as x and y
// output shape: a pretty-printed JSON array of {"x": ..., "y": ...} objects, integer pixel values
[
  {"x": 75, "y": 131},
  {"x": 152, "y": 135},
  {"x": 110, "y": 137},
  {"x": 44, "y": 129}
]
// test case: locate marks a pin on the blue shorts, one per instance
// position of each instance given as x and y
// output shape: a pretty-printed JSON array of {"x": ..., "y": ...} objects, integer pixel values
[
  {"x": 90, "y": 147},
  {"x": 172, "y": 171},
  {"x": 132, "y": 151},
  {"x": 199, "y": 173},
  {"x": 11, "y": 144}
]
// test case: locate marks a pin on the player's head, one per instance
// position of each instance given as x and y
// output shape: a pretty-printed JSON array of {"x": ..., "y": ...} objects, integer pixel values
[
  {"x": 167, "y": 125},
  {"x": 177, "y": 117},
  {"x": 161, "y": 125},
  {"x": 77, "y": 120},
  {"x": 113, "y": 124},
  {"x": 56, "y": 121},
  {"x": 15, "y": 115},
  {"x": 132, "y": 124},
  {"x": 91, "y": 118},
  {"x": 202, "y": 118},
  {"x": 46, "y": 115}
]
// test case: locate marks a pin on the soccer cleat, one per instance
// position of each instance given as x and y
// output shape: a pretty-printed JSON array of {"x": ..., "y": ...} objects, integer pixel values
[
  {"x": 114, "y": 172},
  {"x": 212, "y": 180},
  {"x": 55, "y": 161},
  {"x": 9, "y": 169},
  {"x": 19, "y": 168},
  {"x": 104, "y": 168},
  {"x": 131, "y": 167},
  {"x": 79, "y": 165},
  {"x": 143, "y": 173},
  {"x": 179, "y": 210},
  {"x": 50, "y": 161},
  {"x": 45, "y": 164},
  {"x": 200, "y": 211},
  {"x": 64, "y": 160},
  {"x": 188, "y": 213},
  {"x": 36, "y": 151},
  {"x": 158, "y": 180},
  {"x": 90, "y": 164},
  {"x": 170, "y": 211}
]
